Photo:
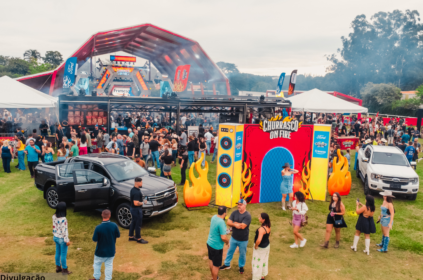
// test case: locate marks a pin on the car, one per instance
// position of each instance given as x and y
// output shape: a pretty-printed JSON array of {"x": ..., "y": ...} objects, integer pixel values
[
  {"x": 104, "y": 181},
  {"x": 386, "y": 168}
]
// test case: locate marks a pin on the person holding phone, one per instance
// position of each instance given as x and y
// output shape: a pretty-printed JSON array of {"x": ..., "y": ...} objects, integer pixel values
[
  {"x": 386, "y": 219},
  {"x": 335, "y": 219},
  {"x": 61, "y": 238},
  {"x": 299, "y": 210},
  {"x": 136, "y": 212},
  {"x": 365, "y": 223},
  {"x": 286, "y": 185}
]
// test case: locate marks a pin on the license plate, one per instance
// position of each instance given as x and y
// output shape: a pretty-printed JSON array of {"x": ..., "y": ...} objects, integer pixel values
[{"x": 395, "y": 186}]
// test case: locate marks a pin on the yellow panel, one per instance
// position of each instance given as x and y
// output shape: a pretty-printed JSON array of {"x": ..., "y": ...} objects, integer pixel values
[
  {"x": 319, "y": 165},
  {"x": 237, "y": 171}
]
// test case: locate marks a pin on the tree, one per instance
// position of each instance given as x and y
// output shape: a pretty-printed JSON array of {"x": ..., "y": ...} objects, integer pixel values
[
  {"x": 4, "y": 60},
  {"x": 228, "y": 68},
  {"x": 39, "y": 68},
  {"x": 53, "y": 57},
  {"x": 262, "y": 87},
  {"x": 28, "y": 54},
  {"x": 380, "y": 97},
  {"x": 18, "y": 66}
]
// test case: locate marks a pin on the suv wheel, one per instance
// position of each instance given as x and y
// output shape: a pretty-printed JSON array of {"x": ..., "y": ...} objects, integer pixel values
[
  {"x": 123, "y": 215},
  {"x": 366, "y": 187},
  {"x": 413, "y": 197},
  {"x": 52, "y": 197},
  {"x": 357, "y": 171}
]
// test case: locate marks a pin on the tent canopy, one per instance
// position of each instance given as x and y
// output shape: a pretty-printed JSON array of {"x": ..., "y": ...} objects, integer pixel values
[
  {"x": 15, "y": 94},
  {"x": 321, "y": 102}
]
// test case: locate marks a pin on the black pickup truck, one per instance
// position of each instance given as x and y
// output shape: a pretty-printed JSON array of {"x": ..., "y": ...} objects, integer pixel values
[{"x": 100, "y": 181}]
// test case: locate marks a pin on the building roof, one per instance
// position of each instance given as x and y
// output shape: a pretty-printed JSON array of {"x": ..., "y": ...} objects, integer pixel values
[{"x": 165, "y": 49}]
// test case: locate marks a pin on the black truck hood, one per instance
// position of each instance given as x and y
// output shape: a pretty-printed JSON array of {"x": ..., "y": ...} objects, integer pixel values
[{"x": 150, "y": 185}]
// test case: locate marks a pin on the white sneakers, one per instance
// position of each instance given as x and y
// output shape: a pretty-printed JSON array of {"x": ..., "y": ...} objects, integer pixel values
[
  {"x": 293, "y": 246},
  {"x": 283, "y": 208},
  {"x": 303, "y": 242}
]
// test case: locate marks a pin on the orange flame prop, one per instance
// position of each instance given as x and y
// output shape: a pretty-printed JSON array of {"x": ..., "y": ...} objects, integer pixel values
[
  {"x": 201, "y": 191},
  {"x": 246, "y": 180},
  {"x": 178, "y": 86},
  {"x": 305, "y": 180},
  {"x": 340, "y": 179}
]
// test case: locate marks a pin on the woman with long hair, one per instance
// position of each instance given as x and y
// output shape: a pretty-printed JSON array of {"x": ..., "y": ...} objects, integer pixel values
[
  {"x": 20, "y": 147},
  {"x": 83, "y": 150},
  {"x": 191, "y": 149},
  {"x": 286, "y": 185},
  {"x": 335, "y": 219},
  {"x": 6, "y": 155},
  {"x": 299, "y": 210},
  {"x": 48, "y": 157},
  {"x": 260, "y": 263},
  {"x": 61, "y": 152},
  {"x": 365, "y": 223},
  {"x": 174, "y": 149},
  {"x": 167, "y": 160},
  {"x": 203, "y": 150},
  {"x": 112, "y": 150},
  {"x": 386, "y": 219},
  {"x": 61, "y": 238}
]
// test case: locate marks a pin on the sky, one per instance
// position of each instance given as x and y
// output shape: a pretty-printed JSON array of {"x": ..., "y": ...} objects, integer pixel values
[{"x": 263, "y": 37}]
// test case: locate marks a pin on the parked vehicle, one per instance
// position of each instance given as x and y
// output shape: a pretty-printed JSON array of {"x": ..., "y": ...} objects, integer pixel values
[
  {"x": 99, "y": 181},
  {"x": 386, "y": 168}
]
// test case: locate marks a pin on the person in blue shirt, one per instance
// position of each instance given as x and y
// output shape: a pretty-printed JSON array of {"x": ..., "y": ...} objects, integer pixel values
[
  {"x": 32, "y": 152},
  {"x": 405, "y": 137},
  {"x": 409, "y": 151},
  {"x": 105, "y": 235},
  {"x": 216, "y": 240},
  {"x": 119, "y": 144}
]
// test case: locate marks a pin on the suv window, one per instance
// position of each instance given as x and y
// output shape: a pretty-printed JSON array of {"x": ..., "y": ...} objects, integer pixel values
[
  {"x": 97, "y": 168},
  {"x": 368, "y": 153},
  {"x": 65, "y": 170},
  {"x": 84, "y": 177},
  {"x": 85, "y": 163}
]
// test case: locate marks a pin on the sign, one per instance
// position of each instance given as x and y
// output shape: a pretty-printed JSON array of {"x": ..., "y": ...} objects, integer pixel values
[
  {"x": 279, "y": 92},
  {"x": 181, "y": 78},
  {"x": 280, "y": 128},
  {"x": 347, "y": 142},
  {"x": 122, "y": 91},
  {"x": 70, "y": 72},
  {"x": 238, "y": 145},
  {"x": 123, "y": 58},
  {"x": 193, "y": 130},
  {"x": 292, "y": 81},
  {"x": 321, "y": 144}
]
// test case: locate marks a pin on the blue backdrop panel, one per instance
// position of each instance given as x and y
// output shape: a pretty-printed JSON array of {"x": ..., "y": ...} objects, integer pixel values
[{"x": 271, "y": 177}]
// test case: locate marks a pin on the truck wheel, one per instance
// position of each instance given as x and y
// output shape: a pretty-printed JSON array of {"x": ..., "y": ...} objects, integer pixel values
[
  {"x": 366, "y": 187},
  {"x": 357, "y": 171},
  {"x": 123, "y": 215},
  {"x": 52, "y": 197}
]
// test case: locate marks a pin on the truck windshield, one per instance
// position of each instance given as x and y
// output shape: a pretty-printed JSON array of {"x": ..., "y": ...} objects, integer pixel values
[
  {"x": 125, "y": 170},
  {"x": 389, "y": 159}
]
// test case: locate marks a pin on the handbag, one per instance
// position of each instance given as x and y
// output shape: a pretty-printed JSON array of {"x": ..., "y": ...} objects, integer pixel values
[
  {"x": 338, "y": 222},
  {"x": 304, "y": 218}
]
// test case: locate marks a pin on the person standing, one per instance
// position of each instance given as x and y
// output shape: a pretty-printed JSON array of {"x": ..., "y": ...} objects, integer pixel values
[
  {"x": 154, "y": 149},
  {"x": 216, "y": 142},
  {"x": 89, "y": 144},
  {"x": 61, "y": 238},
  {"x": 240, "y": 222},
  {"x": 183, "y": 138},
  {"x": 105, "y": 235},
  {"x": 74, "y": 151},
  {"x": 43, "y": 128},
  {"x": 120, "y": 145},
  {"x": 32, "y": 151},
  {"x": 100, "y": 141},
  {"x": 215, "y": 242},
  {"x": 184, "y": 165},
  {"x": 130, "y": 148},
  {"x": 136, "y": 212},
  {"x": 365, "y": 223},
  {"x": 191, "y": 149},
  {"x": 286, "y": 185},
  {"x": 21, "y": 152},
  {"x": 335, "y": 219},
  {"x": 203, "y": 148},
  {"x": 410, "y": 151},
  {"x": 260, "y": 263},
  {"x": 106, "y": 140},
  {"x": 83, "y": 144},
  {"x": 48, "y": 157},
  {"x": 386, "y": 219},
  {"x": 59, "y": 135},
  {"x": 145, "y": 149},
  {"x": 61, "y": 152},
  {"x": 167, "y": 160},
  {"x": 6, "y": 155},
  {"x": 208, "y": 137},
  {"x": 299, "y": 210}
]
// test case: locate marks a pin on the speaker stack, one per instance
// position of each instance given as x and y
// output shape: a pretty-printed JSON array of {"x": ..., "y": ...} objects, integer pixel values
[{"x": 229, "y": 164}]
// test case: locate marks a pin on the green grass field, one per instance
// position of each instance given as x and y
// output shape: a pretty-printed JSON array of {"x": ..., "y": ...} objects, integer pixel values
[{"x": 177, "y": 240}]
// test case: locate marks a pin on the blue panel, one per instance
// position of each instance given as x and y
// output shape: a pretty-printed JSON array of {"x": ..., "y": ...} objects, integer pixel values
[
  {"x": 69, "y": 72},
  {"x": 271, "y": 177},
  {"x": 238, "y": 146},
  {"x": 321, "y": 144}
]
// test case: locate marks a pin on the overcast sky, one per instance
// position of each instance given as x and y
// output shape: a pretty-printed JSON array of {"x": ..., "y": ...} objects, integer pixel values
[{"x": 263, "y": 37}]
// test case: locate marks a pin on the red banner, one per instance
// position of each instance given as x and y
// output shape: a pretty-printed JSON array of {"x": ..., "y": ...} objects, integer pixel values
[
  {"x": 347, "y": 142},
  {"x": 7, "y": 138}
]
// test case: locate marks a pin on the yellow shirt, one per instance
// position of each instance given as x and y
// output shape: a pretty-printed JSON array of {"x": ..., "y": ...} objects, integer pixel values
[{"x": 22, "y": 146}]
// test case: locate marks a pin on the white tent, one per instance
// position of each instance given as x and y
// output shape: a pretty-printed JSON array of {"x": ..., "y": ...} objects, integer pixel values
[
  {"x": 14, "y": 94},
  {"x": 321, "y": 102}
]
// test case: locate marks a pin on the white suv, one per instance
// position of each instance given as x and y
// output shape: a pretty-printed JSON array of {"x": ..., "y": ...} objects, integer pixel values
[{"x": 386, "y": 168}]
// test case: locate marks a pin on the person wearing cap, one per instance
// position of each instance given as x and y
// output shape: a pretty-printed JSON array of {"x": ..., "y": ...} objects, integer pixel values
[
  {"x": 240, "y": 222},
  {"x": 216, "y": 240},
  {"x": 386, "y": 219},
  {"x": 365, "y": 223},
  {"x": 136, "y": 212},
  {"x": 286, "y": 185}
]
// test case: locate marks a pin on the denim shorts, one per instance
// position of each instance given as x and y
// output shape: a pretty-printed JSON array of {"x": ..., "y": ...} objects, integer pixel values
[
  {"x": 167, "y": 168},
  {"x": 385, "y": 221}
]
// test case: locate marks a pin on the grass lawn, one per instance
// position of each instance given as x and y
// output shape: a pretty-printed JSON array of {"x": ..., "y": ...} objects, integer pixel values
[{"x": 177, "y": 240}]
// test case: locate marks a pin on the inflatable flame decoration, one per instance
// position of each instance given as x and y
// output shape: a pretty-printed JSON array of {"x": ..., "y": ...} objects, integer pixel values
[
  {"x": 178, "y": 86},
  {"x": 305, "y": 180},
  {"x": 201, "y": 191},
  {"x": 340, "y": 179},
  {"x": 246, "y": 192}
]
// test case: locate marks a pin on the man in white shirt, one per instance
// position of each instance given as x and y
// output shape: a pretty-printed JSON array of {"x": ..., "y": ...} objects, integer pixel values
[
  {"x": 215, "y": 141},
  {"x": 208, "y": 137},
  {"x": 183, "y": 120}
]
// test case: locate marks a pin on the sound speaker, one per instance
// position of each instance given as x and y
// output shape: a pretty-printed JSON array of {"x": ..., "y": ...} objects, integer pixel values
[{"x": 229, "y": 164}]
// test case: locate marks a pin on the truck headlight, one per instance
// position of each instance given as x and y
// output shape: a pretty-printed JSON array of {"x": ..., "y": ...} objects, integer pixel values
[
  {"x": 375, "y": 176},
  {"x": 414, "y": 180}
]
